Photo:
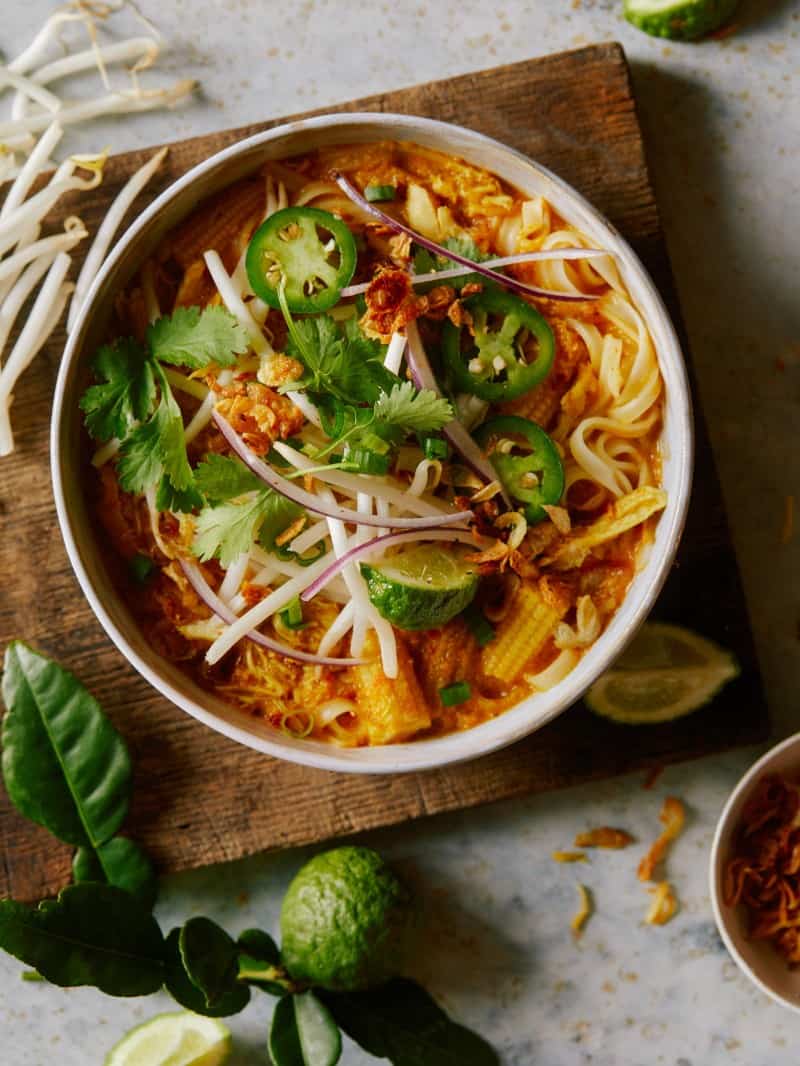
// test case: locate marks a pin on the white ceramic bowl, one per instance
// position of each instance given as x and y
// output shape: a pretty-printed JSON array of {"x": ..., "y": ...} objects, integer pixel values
[
  {"x": 85, "y": 553},
  {"x": 756, "y": 958}
]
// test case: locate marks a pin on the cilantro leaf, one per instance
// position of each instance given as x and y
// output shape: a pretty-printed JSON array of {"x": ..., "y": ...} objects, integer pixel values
[
  {"x": 140, "y": 465},
  {"x": 126, "y": 393},
  {"x": 156, "y": 447},
  {"x": 345, "y": 363},
  {"x": 222, "y": 477},
  {"x": 168, "y": 498},
  {"x": 227, "y": 529},
  {"x": 427, "y": 263},
  {"x": 278, "y": 515},
  {"x": 466, "y": 246},
  {"x": 415, "y": 412},
  {"x": 196, "y": 339}
]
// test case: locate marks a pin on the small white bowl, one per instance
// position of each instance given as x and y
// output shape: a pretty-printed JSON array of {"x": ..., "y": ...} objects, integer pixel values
[
  {"x": 756, "y": 958},
  {"x": 86, "y": 554}
]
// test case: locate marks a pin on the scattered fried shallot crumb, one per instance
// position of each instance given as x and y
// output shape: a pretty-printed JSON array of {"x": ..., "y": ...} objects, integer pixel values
[
  {"x": 652, "y": 776},
  {"x": 584, "y": 911},
  {"x": 672, "y": 817},
  {"x": 663, "y": 906},
  {"x": 569, "y": 856},
  {"x": 603, "y": 837},
  {"x": 559, "y": 516},
  {"x": 787, "y": 529}
]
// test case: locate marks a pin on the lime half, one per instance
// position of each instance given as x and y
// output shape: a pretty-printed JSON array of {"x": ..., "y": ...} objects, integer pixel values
[
  {"x": 179, "y": 1039},
  {"x": 422, "y": 587},
  {"x": 667, "y": 672}
]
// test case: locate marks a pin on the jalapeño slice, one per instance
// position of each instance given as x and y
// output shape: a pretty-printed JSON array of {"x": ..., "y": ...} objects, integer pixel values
[
  {"x": 511, "y": 351},
  {"x": 311, "y": 251},
  {"x": 526, "y": 460}
]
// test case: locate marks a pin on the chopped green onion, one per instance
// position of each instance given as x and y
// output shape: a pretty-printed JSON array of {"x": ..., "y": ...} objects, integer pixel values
[
  {"x": 478, "y": 625},
  {"x": 140, "y": 568},
  {"x": 435, "y": 448},
  {"x": 292, "y": 614},
  {"x": 374, "y": 193},
  {"x": 458, "y": 692},
  {"x": 368, "y": 462}
]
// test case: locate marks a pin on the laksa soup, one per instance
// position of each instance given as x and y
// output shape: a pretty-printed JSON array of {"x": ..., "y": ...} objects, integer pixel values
[{"x": 374, "y": 444}]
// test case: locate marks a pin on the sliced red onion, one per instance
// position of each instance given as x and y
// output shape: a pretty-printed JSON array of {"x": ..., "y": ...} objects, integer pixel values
[
  {"x": 353, "y": 194},
  {"x": 222, "y": 611},
  {"x": 459, "y": 437},
  {"x": 506, "y": 260},
  {"x": 379, "y": 543},
  {"x": 313, "y": 503}
]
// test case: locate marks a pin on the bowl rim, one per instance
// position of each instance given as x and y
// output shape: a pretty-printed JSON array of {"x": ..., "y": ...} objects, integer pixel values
[
  {"x": 718, "y": 905},
  {"x": 495, "y": 733}
]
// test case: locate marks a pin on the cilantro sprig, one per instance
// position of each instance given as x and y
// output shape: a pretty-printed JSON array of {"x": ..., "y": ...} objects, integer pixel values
[
  {"x": 133, "y": 400},
  {"x": 241, "y": 509}
]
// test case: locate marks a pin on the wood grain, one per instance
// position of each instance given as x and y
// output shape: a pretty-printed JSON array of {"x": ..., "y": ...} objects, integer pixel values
[{"x": 200, "y": 798}]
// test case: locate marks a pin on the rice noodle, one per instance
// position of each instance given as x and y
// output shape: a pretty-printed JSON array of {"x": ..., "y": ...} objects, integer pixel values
[{"x": 107, "y": 230}]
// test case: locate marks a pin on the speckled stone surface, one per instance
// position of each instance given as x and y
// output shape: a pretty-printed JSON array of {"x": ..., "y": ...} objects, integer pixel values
[{"x": 723, "y": 129}]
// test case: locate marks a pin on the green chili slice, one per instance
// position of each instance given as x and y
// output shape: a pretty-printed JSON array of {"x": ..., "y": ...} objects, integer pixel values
[
  {"x": 526, "y": 460},
  {"x": 511, "y": 351},
  {"x": 311, "y": 251}
]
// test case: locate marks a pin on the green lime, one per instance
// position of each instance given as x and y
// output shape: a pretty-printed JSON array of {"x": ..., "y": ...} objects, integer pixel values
[
  {"x": 680, "y": 20},
  {"x": 345, "y": 920},
  {"x": 665, "y": 673},
  {"x": 180, "y": 1039},
  {"x": 422, "y": 587}
]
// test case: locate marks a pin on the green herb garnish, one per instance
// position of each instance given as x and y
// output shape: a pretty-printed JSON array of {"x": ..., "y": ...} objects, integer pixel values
[
  {"x": 104, "y": 935},
  {"x": 133, "y": 400}
]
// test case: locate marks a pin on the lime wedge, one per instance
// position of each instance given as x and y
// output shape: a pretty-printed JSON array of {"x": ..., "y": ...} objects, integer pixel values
[
  {"x": 665, "y": 673},
  {"x": 422, "y": 587},
  {"x": 180, "y": 1039},
  {"x": 679, "y": 20}
]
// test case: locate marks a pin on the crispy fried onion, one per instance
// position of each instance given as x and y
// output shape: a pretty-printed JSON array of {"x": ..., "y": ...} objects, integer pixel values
[
  {"x": 392, "y": 303},
  {"x": 672, "y": 818},
  {"x": 764, "y": 872},
  {"x": 603, "y": 837},
  {"x": 663, "y": 905},
  {"x": 583, "y": 913}
]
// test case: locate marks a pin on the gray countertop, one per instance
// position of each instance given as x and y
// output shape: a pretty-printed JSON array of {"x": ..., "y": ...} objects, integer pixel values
[{"x": 722, "y": 121}]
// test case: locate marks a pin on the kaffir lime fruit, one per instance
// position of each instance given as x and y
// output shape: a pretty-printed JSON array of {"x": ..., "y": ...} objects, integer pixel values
[{"x": 345, "y": 920}]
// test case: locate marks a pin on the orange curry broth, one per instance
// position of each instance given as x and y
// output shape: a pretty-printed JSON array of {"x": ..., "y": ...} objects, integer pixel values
[{"x": 263, "y": 683}]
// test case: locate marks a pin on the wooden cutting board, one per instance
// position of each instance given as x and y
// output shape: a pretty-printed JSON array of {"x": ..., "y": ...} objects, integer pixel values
[{"x": 200, "y": 798}]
